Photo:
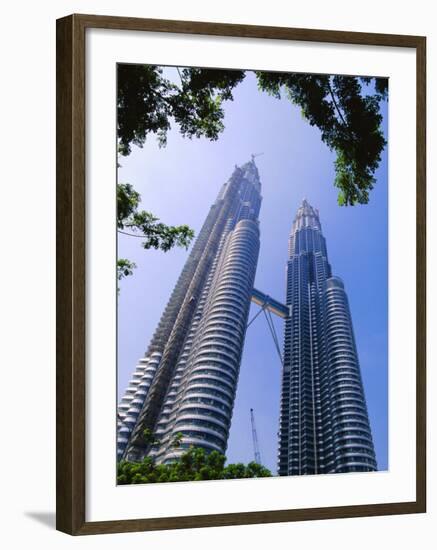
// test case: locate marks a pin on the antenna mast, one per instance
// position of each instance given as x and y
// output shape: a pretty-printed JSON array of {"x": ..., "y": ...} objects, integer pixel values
[
  {"x": 254, "y": 155},
  {"x": 255, "y": 439}
]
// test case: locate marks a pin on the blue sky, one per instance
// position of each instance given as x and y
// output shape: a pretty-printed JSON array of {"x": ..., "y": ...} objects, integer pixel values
[{"x": 178, "y": 184}]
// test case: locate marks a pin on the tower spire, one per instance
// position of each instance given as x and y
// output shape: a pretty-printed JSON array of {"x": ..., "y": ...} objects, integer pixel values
[{"x": 254, "y": 155}]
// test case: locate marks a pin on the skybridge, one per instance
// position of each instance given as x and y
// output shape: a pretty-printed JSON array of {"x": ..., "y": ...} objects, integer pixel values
[
  {"x": 268, "y": 306},
  {"x": 269, "y": 303}
]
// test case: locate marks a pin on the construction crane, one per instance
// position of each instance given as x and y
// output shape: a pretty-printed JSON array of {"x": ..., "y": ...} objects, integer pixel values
[{"x": 255, "y": 439}]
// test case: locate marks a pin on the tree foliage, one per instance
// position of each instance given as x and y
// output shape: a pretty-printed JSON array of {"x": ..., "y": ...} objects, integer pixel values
[
  {"x": 348, "y": 119},
  {"x": 347, "y": 115},
  {"x": 194, "y": 465},
  {"x": 147, "y": 101},
  {"x": 345, "y": 109},
  {"x": 128, "y": 201},
  {"x": 149, "y": 437},
  {"x": 143, "y": 224},
  {"x": 124, "y": 268}
]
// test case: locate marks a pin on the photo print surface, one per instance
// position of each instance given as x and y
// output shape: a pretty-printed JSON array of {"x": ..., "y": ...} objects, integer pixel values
[{"x": 252, "y": 252}]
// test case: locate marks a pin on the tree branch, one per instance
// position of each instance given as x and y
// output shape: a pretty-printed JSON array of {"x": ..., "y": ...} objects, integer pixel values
[
  {"x": 336, "y": 106},
  {"x": 131, "y": 234},
  {"x": 180, "y": 76}
]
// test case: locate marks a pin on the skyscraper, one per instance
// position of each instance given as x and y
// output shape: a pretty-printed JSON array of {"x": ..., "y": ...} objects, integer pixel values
[
  {"x": 324, "y": 426},
  {"x": 186, "y": 381}
]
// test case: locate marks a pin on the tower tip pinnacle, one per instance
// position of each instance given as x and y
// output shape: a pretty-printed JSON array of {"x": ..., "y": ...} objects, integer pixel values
[{"x": 254, "y": 155}]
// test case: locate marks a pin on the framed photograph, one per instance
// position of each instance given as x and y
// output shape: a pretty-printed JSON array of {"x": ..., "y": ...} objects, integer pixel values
[{"x": 240, "y": 274}]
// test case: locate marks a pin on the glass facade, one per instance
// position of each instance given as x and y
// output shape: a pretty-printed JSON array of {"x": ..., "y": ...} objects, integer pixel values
[
  {"x": 187, "y": 380},
  {"x": 324, "y": 426}
]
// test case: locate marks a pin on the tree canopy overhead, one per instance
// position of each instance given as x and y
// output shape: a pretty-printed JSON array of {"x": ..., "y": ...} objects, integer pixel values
[
  {"x": 346, "y": 110},
  {"x": 147, "y": 101}
]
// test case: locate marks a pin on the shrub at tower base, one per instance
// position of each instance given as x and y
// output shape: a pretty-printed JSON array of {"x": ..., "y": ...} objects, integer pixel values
[{"x": 194, "y": 465}]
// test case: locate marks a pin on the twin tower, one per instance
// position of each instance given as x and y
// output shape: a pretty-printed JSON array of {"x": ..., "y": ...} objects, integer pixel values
[{"x": 187, "y": 380}]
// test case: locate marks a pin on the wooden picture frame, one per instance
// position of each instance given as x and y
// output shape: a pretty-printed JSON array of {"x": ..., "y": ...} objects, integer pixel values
[{"x": 71, "y": 253}]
